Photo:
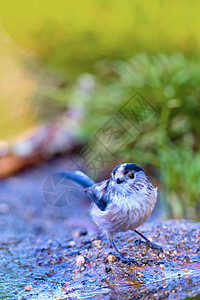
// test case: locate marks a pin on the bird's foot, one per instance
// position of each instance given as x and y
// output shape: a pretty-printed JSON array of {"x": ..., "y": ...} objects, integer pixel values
[
  {"x": 154, "y": 246},
  {"x": 128, "y": 260},
  {"x": 125, "y": 260},
  {"x": 150, "y": 244},
  {"x": 139, "y": 242},
  {"x": 120, "y": 256}
]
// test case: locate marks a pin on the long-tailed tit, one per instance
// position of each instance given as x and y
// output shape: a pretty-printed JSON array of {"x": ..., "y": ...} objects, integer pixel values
[{"x": 120, "y": 203}]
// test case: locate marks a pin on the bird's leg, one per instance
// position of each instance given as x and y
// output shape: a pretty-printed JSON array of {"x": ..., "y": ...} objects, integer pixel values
[
  {"x": 149, "y": 243},
  {"x": 119, "y": 255}
]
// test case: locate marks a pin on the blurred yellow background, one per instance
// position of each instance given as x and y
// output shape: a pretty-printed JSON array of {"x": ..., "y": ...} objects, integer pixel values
[{"x": 70, "y": 36}]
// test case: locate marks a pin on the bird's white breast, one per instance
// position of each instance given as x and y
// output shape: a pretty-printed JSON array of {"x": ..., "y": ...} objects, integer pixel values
[{"x": 125, "y": 213}]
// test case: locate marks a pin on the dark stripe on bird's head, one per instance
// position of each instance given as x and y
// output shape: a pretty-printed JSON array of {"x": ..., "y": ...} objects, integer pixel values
[
  {"x": 132, "y": 167},
  {"x": 127, "y": 167}
]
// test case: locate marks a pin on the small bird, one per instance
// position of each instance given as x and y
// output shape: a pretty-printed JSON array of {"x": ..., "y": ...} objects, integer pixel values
[{"x": 120, "y": 203}]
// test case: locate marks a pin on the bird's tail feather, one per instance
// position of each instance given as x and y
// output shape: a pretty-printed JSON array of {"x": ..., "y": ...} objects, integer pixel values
[{"x": 78, "y": 177}]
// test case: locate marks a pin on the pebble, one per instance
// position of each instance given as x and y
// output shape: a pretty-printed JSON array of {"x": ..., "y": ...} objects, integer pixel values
[
  {"x": 162, "y": 266},
  {"x": 130, "y": 239},
  {"x": 80, "y": 260},
  {"x": 140, "y": 274},
  {"x": 97, "y": 243},
  {"x": 72, "y": 244},
  {"x": 111, "y": 258},
  {"x": 28, "y": 287}
]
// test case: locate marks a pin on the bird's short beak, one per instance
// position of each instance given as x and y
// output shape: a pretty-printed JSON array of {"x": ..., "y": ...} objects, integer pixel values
[{"x": 119, "y": 180}]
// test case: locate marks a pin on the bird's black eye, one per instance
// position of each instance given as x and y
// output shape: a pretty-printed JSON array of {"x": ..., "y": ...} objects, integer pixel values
[{"x": 131, "y": 175}]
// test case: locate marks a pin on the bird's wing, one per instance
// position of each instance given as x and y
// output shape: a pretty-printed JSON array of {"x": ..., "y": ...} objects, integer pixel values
[{"x": 98, "y": 194}]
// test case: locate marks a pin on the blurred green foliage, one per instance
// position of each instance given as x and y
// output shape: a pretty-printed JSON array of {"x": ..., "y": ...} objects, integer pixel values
[{"x": 167, "y": 139}]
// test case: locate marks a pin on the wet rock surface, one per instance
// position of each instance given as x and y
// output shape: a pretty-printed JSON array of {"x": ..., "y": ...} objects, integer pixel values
[
  {"x": 55, "y": 252},
  {"x": 79, "y": 267}
]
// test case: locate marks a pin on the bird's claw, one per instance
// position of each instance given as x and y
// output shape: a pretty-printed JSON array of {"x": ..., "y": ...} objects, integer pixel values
[
  {"x": 150, "y": 244},
  {"x": 155, "y": 246},
  {"x": 139, "y": 242},
  {"x": 126, "y": 260},
  {"x": 123, "y": 259}
]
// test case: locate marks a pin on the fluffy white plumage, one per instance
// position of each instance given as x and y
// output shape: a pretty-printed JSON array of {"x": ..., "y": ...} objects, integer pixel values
[{"x": 129, "y": 203}]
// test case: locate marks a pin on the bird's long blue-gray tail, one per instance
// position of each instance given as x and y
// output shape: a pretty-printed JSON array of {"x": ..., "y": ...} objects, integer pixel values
[{"x": 78, "y": 177}]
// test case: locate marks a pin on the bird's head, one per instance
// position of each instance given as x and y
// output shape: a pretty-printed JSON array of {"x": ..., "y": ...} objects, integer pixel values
[
  {"x": 127, "y": 173},
  {"x": 129, "y": 178}
]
